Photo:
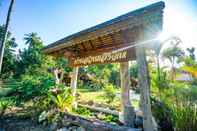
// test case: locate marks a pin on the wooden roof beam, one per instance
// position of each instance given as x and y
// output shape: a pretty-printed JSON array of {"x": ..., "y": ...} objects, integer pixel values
[
  {"x": 91, "y": 44},
  {"x": 84, "y": 48},
  {"x": 113, "y": 39}
]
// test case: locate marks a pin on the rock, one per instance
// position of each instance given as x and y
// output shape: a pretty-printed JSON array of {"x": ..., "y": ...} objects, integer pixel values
[
  {"x": 1, "y": 129},
  {"x": 53, "y": 126},
  {"x": 66, "y": 123},
  {"x": 73, "y": 128},
  {"x": 81, "y": 129},
  {"x": 63, "y": 129}
]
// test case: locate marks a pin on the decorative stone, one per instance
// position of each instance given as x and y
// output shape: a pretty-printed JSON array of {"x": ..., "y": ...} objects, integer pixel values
[
  {"x": 63, "y": 129},
  {"x": 81, "y": 129},
  {"x": 2, "y": 129},
  {"x": 53, "y": 126}
]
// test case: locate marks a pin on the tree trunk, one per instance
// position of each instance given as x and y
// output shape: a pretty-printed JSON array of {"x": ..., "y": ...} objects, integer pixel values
[
  {"x": 127, "y": 109},
  {"x": 144, "y": 83},
  {"x": 74, "y": 84},
  {"x": 57, "y": 80},
  {"x": 2, "y": 45}
]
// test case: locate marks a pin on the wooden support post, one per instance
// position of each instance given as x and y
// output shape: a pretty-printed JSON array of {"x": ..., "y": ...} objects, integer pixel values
[
  {"x": 144, "y": 83},
  {"x": 127, "y": 109},
  {"x": 74, "y": 84}
]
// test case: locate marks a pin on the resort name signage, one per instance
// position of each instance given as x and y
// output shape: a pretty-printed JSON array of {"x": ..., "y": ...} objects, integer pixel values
[{"x": 109, "y": 57}]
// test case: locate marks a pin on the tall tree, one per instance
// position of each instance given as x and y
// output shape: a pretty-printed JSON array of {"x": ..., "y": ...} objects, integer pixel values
[
  {"x": 2, "y": 45},
  {"x": 31, "y": 57},
  {"x": 32, "y": 40},
  {"x": 172, "y": 54},
  {"x": 9, "y": 58}
]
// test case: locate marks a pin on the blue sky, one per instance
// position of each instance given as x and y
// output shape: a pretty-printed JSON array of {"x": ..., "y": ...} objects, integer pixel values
[{"x": 55, "y": 19}]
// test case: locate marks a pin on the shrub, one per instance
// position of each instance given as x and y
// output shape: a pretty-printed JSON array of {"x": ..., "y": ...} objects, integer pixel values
[
  {"x": 35, "y": 85},
  {"x": 5, "y": 103},
  {"x": 63, "y": 100},
  {"x": 163, "y": 114},
  {"x": 83, "y": 111},
  {"x": 185, "y": 116},
  {"x": 109, "y": 92}
]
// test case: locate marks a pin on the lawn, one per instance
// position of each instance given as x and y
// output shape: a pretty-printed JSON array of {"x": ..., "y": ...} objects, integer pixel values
[{"x": 98, "y": 99}]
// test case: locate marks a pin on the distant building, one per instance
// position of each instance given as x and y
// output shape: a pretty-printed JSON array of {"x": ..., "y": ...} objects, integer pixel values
[{"x": 184, "y": 77}]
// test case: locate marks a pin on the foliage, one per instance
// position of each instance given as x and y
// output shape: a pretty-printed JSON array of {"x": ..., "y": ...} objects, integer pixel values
[
  {"x": 109, "y": 92},
  {"x": 162, "y": 114},
  {"x": 31, "y": 57},
  {"x": 50, "y": 117},
  {"x": 192, "y": 53},
  {"x": 160, "y": 80},
  {"x": 63, "y": 100},
  {"x": 5, "y": 103},
  {"x": 9, "y": 58},
  {"x": 185, "y": 116},
  {"x": 42, "y": 103},
  {"x": 35, "y": 84},
  {"x": 173, "y": 54},
  {"x": 83, "y": 111},
  {"x": 63, "y": 64},
  {"x": 103, "y": 74},
  {"x": 181, "y": 101},
  {"x": 133, "y": 70},
  {"x": 107, "y": 118}
]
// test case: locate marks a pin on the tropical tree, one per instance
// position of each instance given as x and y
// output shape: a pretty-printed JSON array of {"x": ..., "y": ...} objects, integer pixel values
[
  {"x": 3, "y": 41},
  {"x": 60, "y": 68},
  {"x": 191, "y": 53},
  {"x": 31, "y": 57},
  {"x": 172, "y": 54},
  {"x": 33, "y": 41},
  {"x": 9, "y": 62}
]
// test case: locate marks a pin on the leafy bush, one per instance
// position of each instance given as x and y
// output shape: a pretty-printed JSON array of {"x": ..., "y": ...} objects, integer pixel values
[
  {"x": 5, "y": 103},
  {"x": 63, "y": 100},
  {"x": 83, "y": 111},
  {"x": 163, "y": 114},
  {"x": 185, "y": 116},
  {"x": 109, "y": 92},
  {"x": 160, "y": 80},
  {"x": 35, "y": 85},
  {"x": 108, "y": 118}
]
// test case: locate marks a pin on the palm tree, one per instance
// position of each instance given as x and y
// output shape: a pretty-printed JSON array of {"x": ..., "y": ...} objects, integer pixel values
[
  {"x": 32, "y": 40},
  {"x": 2, "y": 45}
]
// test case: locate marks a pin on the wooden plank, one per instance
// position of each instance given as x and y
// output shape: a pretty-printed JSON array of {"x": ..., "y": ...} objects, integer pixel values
[
  {"x": 110, "y": 57},
  {"x": 91, "y": 44},
  {"x": 84, "y": 48}
]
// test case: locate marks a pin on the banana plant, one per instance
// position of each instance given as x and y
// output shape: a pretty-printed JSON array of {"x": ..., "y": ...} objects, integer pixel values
[{"x": 63, "y": 100}]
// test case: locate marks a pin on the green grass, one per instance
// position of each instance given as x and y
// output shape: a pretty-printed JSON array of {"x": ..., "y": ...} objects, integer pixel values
[{"x": 92, "y": 97}]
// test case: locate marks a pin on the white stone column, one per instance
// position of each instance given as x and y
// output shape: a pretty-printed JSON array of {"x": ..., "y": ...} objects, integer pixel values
[
  {"x": 127, "y": 110},
  {"x": 73, "y": 84},
  {"x": 144, "y": 84}
]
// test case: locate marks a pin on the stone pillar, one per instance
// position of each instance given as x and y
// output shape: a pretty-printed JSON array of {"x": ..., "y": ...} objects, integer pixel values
[
  {"x": 144, "y": 83},
  {"x": 127, "y": 110},
  {"x": 74, "y": 84}
]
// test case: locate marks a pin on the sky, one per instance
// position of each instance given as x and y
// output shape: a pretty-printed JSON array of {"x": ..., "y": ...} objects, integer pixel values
[{"x": 55, "y": 19}]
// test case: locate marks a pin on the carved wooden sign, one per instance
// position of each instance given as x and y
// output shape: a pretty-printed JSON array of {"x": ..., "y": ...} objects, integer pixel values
[{"x": 108, "y": 57}]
